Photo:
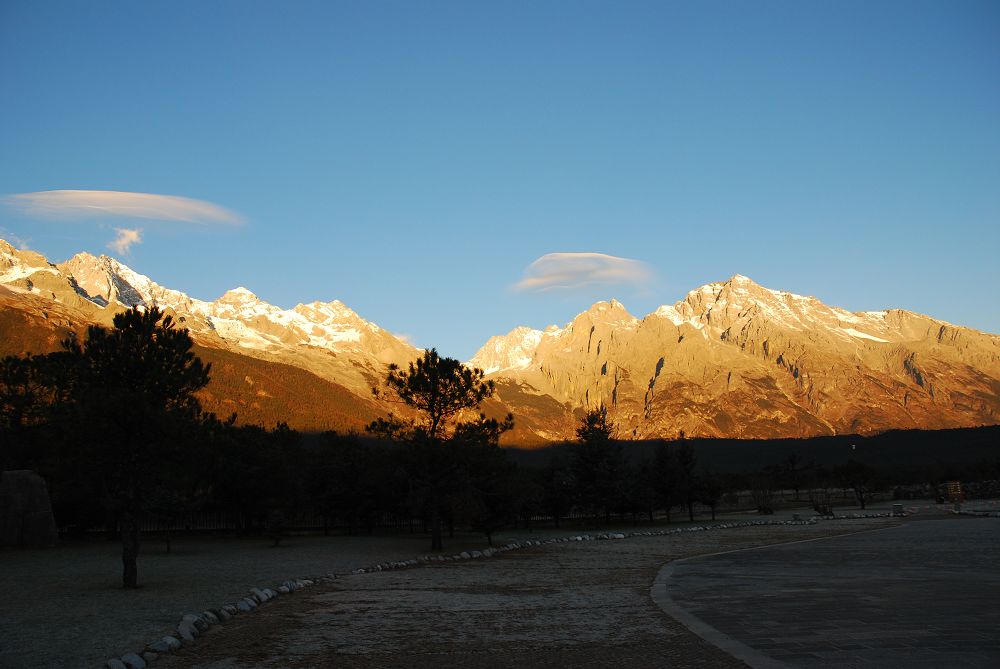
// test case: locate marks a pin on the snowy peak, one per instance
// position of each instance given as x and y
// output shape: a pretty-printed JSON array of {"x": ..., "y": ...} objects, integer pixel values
[
  {"x": 330, "y": 312},
  {"x": 239, "y": 318},
  {"x": 16, "y": 264},
  {"x": 106, "y": 281},
  {"x": 238, "y": 296},
  {"x": 733, "y": 304},
  {"x": 611, "y": 313},
  {"x": 515, "y": 350}
]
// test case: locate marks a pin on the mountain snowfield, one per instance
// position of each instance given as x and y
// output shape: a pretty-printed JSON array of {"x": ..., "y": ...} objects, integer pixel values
[{"x": 732, "y": 359}]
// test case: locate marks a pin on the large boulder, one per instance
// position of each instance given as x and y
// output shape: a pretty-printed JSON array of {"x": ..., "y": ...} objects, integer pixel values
[{"x": 25, "y": 510}]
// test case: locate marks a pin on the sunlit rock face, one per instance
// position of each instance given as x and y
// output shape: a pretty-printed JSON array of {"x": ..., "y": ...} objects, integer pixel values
[
  {"x": 732, "y": 359},
  {"x": 735, "y": 359}
]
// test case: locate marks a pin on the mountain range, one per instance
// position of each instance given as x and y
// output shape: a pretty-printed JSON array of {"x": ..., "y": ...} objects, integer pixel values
[{"x": 732, "y": 359}]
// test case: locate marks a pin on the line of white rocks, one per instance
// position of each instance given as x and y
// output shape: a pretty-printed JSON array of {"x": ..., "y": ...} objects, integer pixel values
[
  {"x": 985, "y": 513},
  {"x": 852, "y": 516},
  {"x": 193, "y": 625}
]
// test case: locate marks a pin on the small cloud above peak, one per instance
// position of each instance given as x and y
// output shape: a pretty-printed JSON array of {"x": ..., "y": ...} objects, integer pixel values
[
  {"x": 124, "y": 239},
  {"x": 568, "y": 271},
  {"x": 90, "y": 204}
]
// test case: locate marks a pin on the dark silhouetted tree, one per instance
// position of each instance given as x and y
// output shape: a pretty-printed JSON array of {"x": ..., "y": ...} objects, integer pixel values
[
  {"x": 438, "y": 389},
  {"x": 132, "y": 386},
  {"x": 793, "y": 471},
  {"x": 486, "y": 491},
  {"x": 597, "y": 464},
  {"x": 710, "y": 489},
  {"x": 685, "y": 464},
  {"x": 557, "y": 489},
  {"x": 859, "y": 477},
  {"x": 33, "y": 394},
  {"x": 664, "y": 477}
]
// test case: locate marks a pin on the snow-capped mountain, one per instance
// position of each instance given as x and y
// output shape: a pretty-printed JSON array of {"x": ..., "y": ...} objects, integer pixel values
[
  {"x": 737, "y": 359},
  {"x": 731, "y": 359},
  {"x": 514, "y": 350},
  {"x": 329, "y": 339}
]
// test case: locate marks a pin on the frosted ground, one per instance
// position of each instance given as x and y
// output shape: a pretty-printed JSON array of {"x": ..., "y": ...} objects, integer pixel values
[
  {"x": 576, "y": 604},
  {"x": 64, "y": 607}
]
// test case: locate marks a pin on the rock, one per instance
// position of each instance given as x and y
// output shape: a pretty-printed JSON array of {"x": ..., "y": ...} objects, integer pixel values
[
  {"x": 172, "y": 642},
  {"x": 187, "y": 632},
  {"x": 223, "y": 615},
  {"x": 25, "y": 510},
  {"x": 197, "y": 621},
  {"x": 133, "y": 661},
  {"x": 243, "y": 606},
  {"x": 149, "y": 656},
  {"x": 283, "y": 589},
  {"x": 230, "y": 609},
  {"x": 115, "y": 663},
  {"x": 476, "y": 554},
  {"x": 160, "y": 646},
  {"x": 464, "y": 555}
]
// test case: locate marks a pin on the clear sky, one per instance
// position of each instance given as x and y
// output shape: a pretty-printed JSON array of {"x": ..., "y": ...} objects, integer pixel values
[{"x": 414, "y": 159}]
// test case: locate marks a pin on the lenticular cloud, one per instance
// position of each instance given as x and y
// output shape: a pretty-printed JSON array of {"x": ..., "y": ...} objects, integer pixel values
[
  {"x": 566, "y": 271},
  {"x": 82, "y": 204}
]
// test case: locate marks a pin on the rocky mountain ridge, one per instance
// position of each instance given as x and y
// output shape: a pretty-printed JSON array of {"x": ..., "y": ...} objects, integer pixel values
[
  {"x": 735, "y": 359},
  {"x": 732, "y": 359},
  {"x": 329, "y": 339}
]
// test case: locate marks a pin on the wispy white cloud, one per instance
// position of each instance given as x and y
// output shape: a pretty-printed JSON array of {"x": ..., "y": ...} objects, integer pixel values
[
  {"x": 124, "y": 239},
  {"x": 566, "y": 271},
  {"x": 83, "y": 204}
]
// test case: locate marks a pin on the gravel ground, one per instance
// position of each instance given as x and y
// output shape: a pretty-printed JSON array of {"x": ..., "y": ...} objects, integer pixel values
[
  {"x": 64, "y": 607},
  {"x": 584, "y": 604}
]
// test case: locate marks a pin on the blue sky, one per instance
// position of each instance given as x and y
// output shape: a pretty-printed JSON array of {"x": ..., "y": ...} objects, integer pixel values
[{"x": 414, "y": 159}]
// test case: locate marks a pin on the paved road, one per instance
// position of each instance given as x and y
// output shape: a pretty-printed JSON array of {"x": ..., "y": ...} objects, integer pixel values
[{"x": 925, "y": 594}]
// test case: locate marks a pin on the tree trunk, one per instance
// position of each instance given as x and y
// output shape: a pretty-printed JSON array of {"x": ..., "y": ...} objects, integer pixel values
[{"x": 130, "y": 550}]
